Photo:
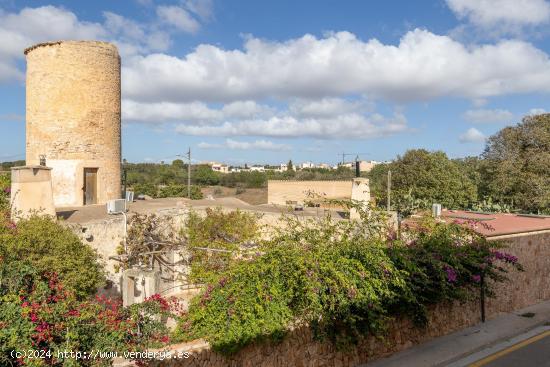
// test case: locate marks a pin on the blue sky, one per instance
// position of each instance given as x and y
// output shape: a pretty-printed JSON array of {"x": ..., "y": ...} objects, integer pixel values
[{"x": 267, "y": 81}]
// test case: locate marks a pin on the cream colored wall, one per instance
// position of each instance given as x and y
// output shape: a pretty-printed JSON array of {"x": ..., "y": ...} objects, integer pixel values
[
  {"x": 365, "y": 166},
  {"x": 279, "y": 192},
  {"x": 360, "y": 192},
  {"x": 31, "y": 192},
  {"x": 73, "y": 116}
]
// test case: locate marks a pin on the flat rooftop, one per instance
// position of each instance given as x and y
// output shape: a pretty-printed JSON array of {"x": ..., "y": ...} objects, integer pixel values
[
  {"x": 83, "y": 214},
  {"x": 501, "y": 224}
]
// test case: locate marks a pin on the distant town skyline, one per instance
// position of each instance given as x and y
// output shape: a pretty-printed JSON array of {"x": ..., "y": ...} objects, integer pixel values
[{"x": 264, "y": 82}]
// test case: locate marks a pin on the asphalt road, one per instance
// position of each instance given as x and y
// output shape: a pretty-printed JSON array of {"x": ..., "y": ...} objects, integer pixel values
[{"x": 534, "y": 351}]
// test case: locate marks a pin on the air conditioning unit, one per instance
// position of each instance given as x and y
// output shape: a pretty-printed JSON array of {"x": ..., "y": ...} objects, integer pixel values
[{"x": 116, "y": 206}]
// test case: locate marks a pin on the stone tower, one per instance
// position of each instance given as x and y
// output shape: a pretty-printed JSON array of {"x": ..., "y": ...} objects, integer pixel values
[{"x": 73, "y": 118}]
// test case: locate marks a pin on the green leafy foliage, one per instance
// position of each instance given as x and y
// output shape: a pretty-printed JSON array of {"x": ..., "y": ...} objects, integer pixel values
[
  {"x": 345, "y": 279},
  {"x": 445, "y": 262},
  {"x": 5, "y": 188},
  {"x": 144, "y": 178},
  {"x": 38, "y": 313},
  {"x": 427, "y": 176},
  {"x": 179, "y": 191},
  {"x": 511, "y": 174},
  {"x": 489, "y": 206},
  {"x": 148, "y": 189},
  {"x": 215, "y": 239},
  {"x": 517, "y": 165},
  {"x": 50, "y": 247}
]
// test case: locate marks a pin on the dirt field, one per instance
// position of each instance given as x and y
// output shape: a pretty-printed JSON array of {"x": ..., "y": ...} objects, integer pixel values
[{"x": 250, "y": 196}]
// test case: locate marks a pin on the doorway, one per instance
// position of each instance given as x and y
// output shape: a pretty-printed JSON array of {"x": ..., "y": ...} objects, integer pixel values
[{"x": 90, "y": 186}]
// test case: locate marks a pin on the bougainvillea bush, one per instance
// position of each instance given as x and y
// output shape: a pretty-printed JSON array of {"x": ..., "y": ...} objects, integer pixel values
[
  {"x": 446, "y": 262},
  {"x": 50, "y": 246},
  {"x": 48, "y": 282},
  {"x": 38, "y": 314},
  {"x": 345, "y": 279}
]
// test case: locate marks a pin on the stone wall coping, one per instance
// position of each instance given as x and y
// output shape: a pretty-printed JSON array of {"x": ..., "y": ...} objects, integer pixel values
[
  {"x": 82, "y": 42},
  {"x": 305, "y": 181},
  {"x": 515, "y": 235},
  {"x": 18, "y": 168}
]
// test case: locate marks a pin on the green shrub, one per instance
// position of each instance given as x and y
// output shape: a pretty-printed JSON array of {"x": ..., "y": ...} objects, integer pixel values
[
  {"x": 345, "y": 279},
  {"x": 5, "y": 188},
  {"x": 50, "y": 247},
  {"x": 445, "y": 262},
  {"x": 38, "y": 313},
  {"x": 339, "y": 287},
  {"x": 217, "y": 230},
  {"x": 179, "y": 191},
  {"x": 148, "y": 189}
]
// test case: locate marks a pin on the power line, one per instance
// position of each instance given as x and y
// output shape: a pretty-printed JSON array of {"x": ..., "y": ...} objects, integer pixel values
[{"x": 188, "y": 171}]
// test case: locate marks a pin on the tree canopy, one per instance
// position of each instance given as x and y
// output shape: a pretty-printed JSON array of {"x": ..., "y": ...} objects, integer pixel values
[
  {"x": 427, "y": 176},
  {"x": 517, "y": 164}
]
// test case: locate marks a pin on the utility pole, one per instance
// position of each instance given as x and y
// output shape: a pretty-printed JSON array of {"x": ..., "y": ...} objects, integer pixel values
[
  {"x": 189, "y": 173},
  {"x": 389, "y": 190}
]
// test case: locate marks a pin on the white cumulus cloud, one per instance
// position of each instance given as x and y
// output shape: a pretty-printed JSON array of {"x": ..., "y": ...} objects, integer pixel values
[
  {"x": 489, "y": 13},
  {"x": 33, "y": 25},
  {"x": 488, "y": 115},
  {"x": 178, "y": 17},
  {"x": 19, "y": 30},
  {"x": 246, "y": 145},
  {"x": 472, "y": 135},
  {"x": 194, "y": 112},
  {"x": 352, "y": 126},
  {"x": 422, "y": 66},
  {"x": 537, "y": 111}
]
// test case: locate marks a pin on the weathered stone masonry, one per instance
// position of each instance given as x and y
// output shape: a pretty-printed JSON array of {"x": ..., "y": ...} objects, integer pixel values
[{"x": 73, "y": 116}]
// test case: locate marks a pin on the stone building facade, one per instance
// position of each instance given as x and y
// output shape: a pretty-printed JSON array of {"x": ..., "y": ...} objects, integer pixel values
[{"x": 73, "y": 118}]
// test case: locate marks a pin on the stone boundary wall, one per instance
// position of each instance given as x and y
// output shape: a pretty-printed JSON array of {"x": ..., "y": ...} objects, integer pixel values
[
  {"x": 281, "y": 191},
  {"x": 106, "y": 235},
  {"x": 299, "y": 348}
]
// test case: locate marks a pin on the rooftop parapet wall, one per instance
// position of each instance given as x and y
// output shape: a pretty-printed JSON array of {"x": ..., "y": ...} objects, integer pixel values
[
  {"x": 31, "y": 191},
  {"x": 280, "y": 192}
]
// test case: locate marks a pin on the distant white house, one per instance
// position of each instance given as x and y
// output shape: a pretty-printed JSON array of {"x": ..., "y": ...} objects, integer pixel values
[
  {"x": 257, "y": 168},
  {"x": 219, "y": 167},
  {"x": 283, "y": 167}
]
